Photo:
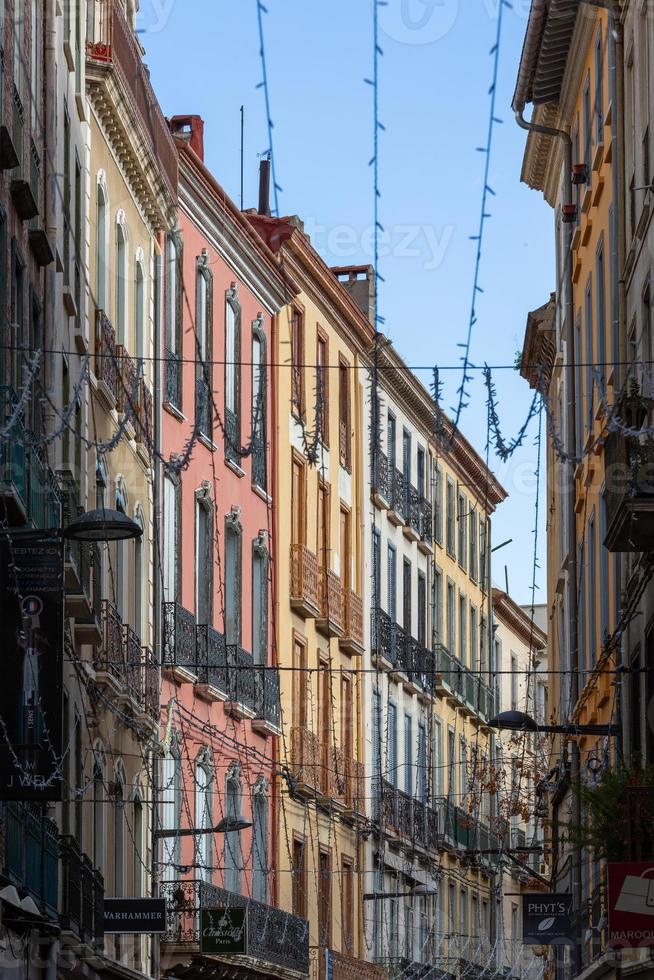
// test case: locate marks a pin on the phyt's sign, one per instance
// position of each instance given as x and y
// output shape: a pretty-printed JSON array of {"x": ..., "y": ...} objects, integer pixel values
[
  {"x": 631, "y": 904},
  {"x": 547, "y": 919}
]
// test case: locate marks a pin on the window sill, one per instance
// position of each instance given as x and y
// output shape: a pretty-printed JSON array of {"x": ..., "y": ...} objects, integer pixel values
[
  {"x": 234, "y": 467},
  {"x": 206, "y": 441},
  {"x": 260, "y": 492},
  {"x": 174, "y": 411}
]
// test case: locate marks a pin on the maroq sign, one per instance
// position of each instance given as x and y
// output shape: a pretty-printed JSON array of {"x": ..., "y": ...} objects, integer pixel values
[
  {"x": 31, "y": 645},
  {"x": 547, "y": 919},
  {"x": 631, "y": 904},
  {"x": 223, "y": 931}
]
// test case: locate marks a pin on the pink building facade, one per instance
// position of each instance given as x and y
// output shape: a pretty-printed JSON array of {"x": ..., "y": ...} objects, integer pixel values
[{"x": 220, "y": 688}]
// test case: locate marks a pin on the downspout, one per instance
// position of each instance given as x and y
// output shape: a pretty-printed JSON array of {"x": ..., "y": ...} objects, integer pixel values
[
  {"x": 569, "y": 490},
  {"x": 275, "y": 625},
  {"x": 51, "y": 363}
]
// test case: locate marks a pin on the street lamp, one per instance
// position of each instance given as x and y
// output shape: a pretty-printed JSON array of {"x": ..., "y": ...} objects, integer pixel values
[
  {"x": 518, "y": 721},
  {"x": 102, "y": 524},
  {"x": 225, "y": 826},
  {"x": 419, "y": 891}
]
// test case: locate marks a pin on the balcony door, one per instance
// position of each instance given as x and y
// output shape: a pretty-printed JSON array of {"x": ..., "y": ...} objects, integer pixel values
[
  {"x": 406, "y": 596},
  {"x": 325, "y": 723},
  {"x": 346, "y": 549},
  {"x": 298, "y": 525},
  {"x": 323, "y": 525}
]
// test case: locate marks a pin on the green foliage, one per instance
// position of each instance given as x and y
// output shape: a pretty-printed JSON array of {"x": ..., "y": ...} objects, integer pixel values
[{"x": 607, "y": 821}]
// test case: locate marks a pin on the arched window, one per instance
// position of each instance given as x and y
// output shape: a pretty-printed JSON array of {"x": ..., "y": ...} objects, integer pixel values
[
  {"x": 260, "y": 841},
  {"x": 139, "y": 311},
  {"x": 260, "y": 602},
  {"x": 140, "y": 578},
  {"x": 173, "y": 321},
  {"x": 233, "y": 860},
  {"x": 204, "y": 813},
  {"x": 119, "y": 835},
  {"x": 101, "y": 248},
  {"x": 232, "y": 375},
  {"x": 233, "y": 577},
  {"x": 203, "y": 320},
  {"x": 137, "y": 833},
  {"x": 171, "y": 570},
  {"x": 171, "y": 811},
  {"x": 98, "y": 810},
  {"x": 121, "y": 282},
  {"x": 120, "y": 571}
]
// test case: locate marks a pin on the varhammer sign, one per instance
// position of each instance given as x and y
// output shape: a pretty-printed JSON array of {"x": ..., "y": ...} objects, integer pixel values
[{"x": 631, "y": 904}]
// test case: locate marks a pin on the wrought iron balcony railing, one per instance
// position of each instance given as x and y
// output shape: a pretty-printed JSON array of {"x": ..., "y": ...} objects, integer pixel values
[
  {"x": 259, "y": 474},
  {"x": 426, "y": 527},
  {"x": 211, "y": 653},
  {"x": 110, "y": 656},
  {"x": 240, "y": 677},
  {"x": 179, "y": 635},
  {"x": 232, "y": 432},
  {"x": 398, "y": 492},
  {"x": 105, "y": 353},
  {"x": 383, "y": 636},
  {"x": 82, "y": 901},
  {"x": 151, "y": 684},
  {"x": 274, "y": 937},
  {"x": 31, "y": 858},
  {"x": 267, "y": 705},
  {"x": 408, "y": 816},
  {"x": 380, "y": 477},
  {"x": 127, "y": 387},
  {"x": 144, "y": 430},
  {"x": 629, "y": 468},
  {"x": 203, "y": 412}
]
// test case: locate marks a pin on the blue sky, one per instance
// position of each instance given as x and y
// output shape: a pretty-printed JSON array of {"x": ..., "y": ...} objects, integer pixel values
[{"x": 435, "y": 75}]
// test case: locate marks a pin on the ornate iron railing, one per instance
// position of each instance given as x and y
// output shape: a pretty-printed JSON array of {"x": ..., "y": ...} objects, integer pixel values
[
  {"x": 259, "y": 474},
  {"x": 110, "y": 657},
  {"x": 383, "y": 636},
  {"x": 105, "y": 352},
  {"x": 412, "y": 509},
  {"x": 273, "y": 936},
  {"x": 240, "y": 676},
  {"x": 203, "y": 413},
  {"x": 398, "y": 493},
  {"x": 232, "y": 432},
  {"x": 126, "y": 388},
  {"x": 31, "y": 854},
  {"x": 267, "y": 704},
  {"x": 144, "y": 431},
  {"x": 211, "y": 658},
  {"x": 179, "y": 637},
  {"x": 133, "y": 666},
  {"x": 380, "y": 481},
  {"x": 151, "y": 684},
  {"x": 173, "y": 379},
  {"x": 13, "y": 469},
  {"x": 426, "y": 529}
]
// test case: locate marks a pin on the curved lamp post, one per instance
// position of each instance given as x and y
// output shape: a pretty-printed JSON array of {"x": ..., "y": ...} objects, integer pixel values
[
  {"x": 102, "y": 524},
  {"x": 519, "y": 721}
]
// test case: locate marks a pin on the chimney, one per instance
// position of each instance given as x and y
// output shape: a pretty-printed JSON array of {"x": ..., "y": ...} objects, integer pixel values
[
  {"x": 191, "y": 129},
  {"x": 264, "y": 187},
  {"x": 359, "y": 281}
]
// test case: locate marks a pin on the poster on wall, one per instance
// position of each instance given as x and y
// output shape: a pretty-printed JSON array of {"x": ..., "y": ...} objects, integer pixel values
[
  {"x": 31, "y": 668},
  {"x": 631, "y": 904},
  {"x": 547, "y": 919}
]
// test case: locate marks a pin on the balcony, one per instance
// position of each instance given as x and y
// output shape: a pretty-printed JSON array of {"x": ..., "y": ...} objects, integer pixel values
[
  {"x": 408, "y": 817},
  {"x": 120, "y": 82},
  {"x": 88, "y": 625},
  {"x": 276, "y": 941},
  {"x": 144, "y": 416},
  {"x": 383, "y": 639},
  {"x": 629, "y": 467},
  {"x": 179, "y": 642},
  {"x": 173, "y": 380},
  {"x": 412, "y": 513},
  {"x": 211, "y": 669},
  {"x": 465, "y": 688},
  {"x": 398, "y": 497},
  {"x": 267, "y": 706},
  {"x": 352, "y": 641},
  {"x": 109, "y": 661},
  {"x": 380, "y": 482},
  {"x": 344, "y": 444},
  {"x": 127, "y": 386},
  {"x": 31, "y": 857},
  {"x": 240, "y": 682},
  {"x": 305, "y": 761},
  {"x": 82, "y": 894},
  {"x": 232, "y": 433},
  {"x": 426, "y": 527},
  {"x": 344, "y": 967},
  {"x": 106, "y": 369},
  {"x": 259, "y": 471},
  {"x": 305, "y": 595},
  {"x": 330, "y": 618},
  {"x": 203, "y": 408}
]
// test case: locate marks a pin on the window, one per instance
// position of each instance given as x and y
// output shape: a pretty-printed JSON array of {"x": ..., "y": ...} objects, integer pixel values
[
  {"x": 347, "y": 905},
  {"x": 98, "y": 813},
  {"x": 299, "y": 879},
  {"x": 391, "y": 444},
  {"x": 484, "y": 530},
  {"x": 421, "y": 769},
  {"x": 581, "y": 621},
  {"x": 173, "y": 321},
  {"x": 391, "y": 583},
  {"x": 137, "y": 856},
  {"x": 406, "y": 459},
  {"x": 579, "y": 401},
  {"x": 451, "y": 617},
  {"x": 121, "y": 283},
  {"x": 599, "y": 89},
  {"x": 203, "y": 560},
  {"x": 392, "y": 765},
  {"x": 139, "y": 582},
  {"x": 408, "y": 755},
  {"x": 346, "y": 549},
  {"x": 588, "y": 354},
  {"x": 483, "y": 649},
  {"x": 438, "y": 762},
  {"x": 297, "y": 364},
  {"x": 260, "y": 844},
  {"x": 600, "y": 286},
  {"x": 474, "y": 639},
  {"x": 463, "y": 771},
  {"x": 437, "y": 611},
  {"x": 171, "y": 570},
  {"x": 474, "y": 547},
  {"x": 347, "y": 717},
  {"x": 464, "y": 920},
  {"x": 298, "y": 503},
  {"x": 450, "y": 518},
  {"x": 603, "y": 572},
  {"x": 325, "y": 721},
  {"x": 300, "y": 705},
  {"x": 438, "y": 505},
  {"x": 422, "y": 610},
  {"x": 421, "y": 473},
  {"x": 462, "y": 518},
  {"x": 376, "y": 568},
  {"x": 203, "y": 818},
  {"x": 514, "y": 682},
  {"x": 344, "y": 413},
  {"x": 101, "y": 249},
  {"x": 259, "y": 434},
  {"x": 119, "y": 835},
  {"x": 232, "y": 376},
  {"x": 324, "y": 898},
  {"x": 406, "y": 596},
  {"x": 463, "y": 629},
  {"x": 451, "y": 763},
  {"x": 322, "y": 388},
  {"x": 121, "y": 568},
  {"x": 233, "y": 580},
  {"x": 377, "y": 738},
  {"x": 591, "y": 580},
  {"x": 79, "y": 781},
  {"x": 139, "y": 311},
  {"x": 588, "y": 127},
  {"x": 35, "y": 56},
  {"x": 260, "y": 603},
  {"x": 233, "y": 859},
  {"x": 171, "y": 811},
  {"x": 203, "y": 349}
]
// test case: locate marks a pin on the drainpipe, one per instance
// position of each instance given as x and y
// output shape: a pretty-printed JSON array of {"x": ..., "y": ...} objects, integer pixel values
[
  {"x": 51, "y": 364},
  {"x": 568, "y": 489}
]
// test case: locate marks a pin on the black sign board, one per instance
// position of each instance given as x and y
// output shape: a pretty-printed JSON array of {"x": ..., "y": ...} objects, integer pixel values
[
  {"x": 31, "y": 668},
  {"x": 135, "y": 915},
  {"x": 223, "y": 931},
  {"x": 547, "y": 919}
]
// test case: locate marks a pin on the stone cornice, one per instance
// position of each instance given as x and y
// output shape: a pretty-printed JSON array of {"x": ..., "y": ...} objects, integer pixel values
[
  {"x": 211, "y": 209},
  {"x": 517, "y": 620},
  {"x": 539, "y": 348}
]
